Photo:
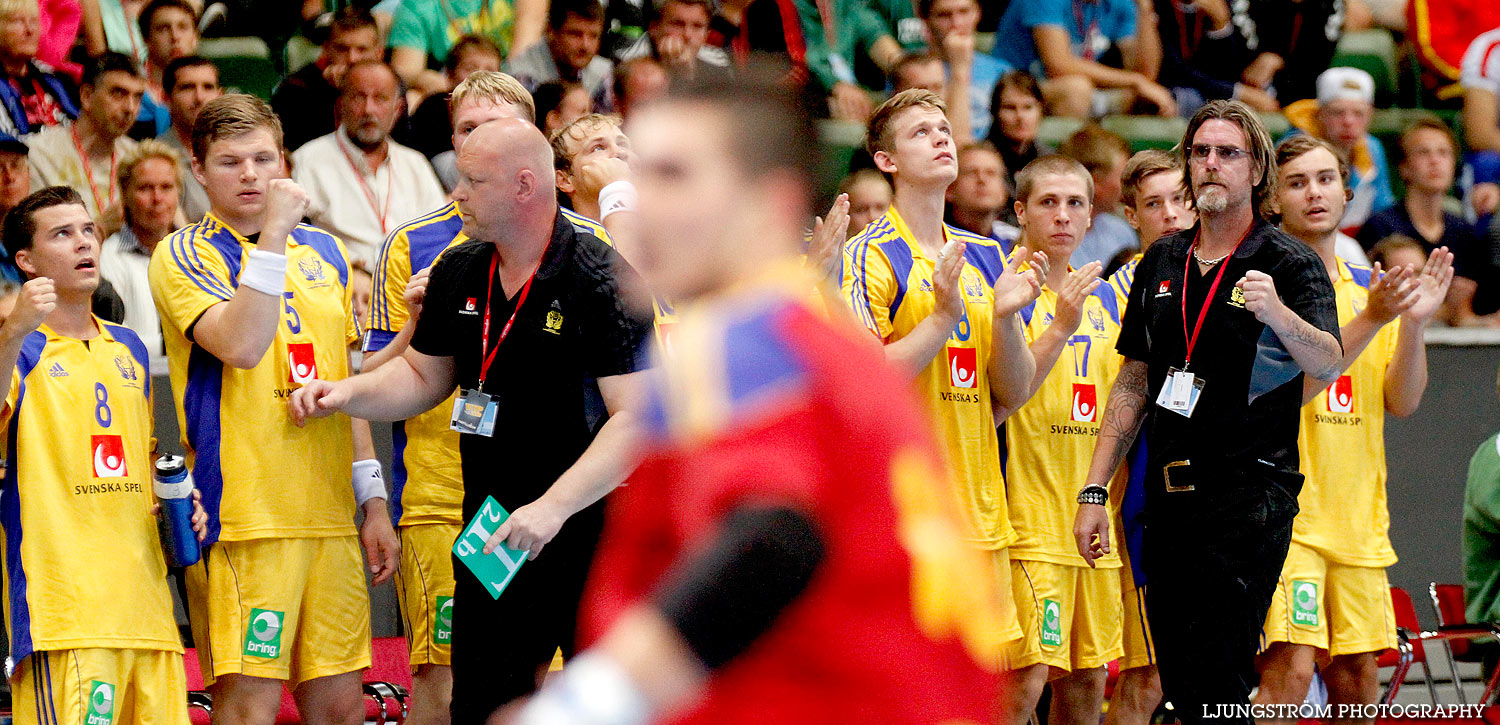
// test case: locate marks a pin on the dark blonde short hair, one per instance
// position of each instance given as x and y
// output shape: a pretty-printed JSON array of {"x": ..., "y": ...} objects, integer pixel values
[
  {"x": 233, "y": 115},
  {"x": 875, "y": 139},
  {"x": 1144, "y": 165}
]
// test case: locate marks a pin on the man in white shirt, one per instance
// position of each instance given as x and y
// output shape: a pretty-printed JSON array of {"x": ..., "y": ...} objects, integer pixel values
[
  {"x": 361, "y": 184},
  {"x": 149, "y": 177},
  {"x": 86, "y": 154}
]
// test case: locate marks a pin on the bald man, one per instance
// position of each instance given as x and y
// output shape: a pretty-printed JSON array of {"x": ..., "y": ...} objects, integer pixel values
[{"x": 530, "y": 319}]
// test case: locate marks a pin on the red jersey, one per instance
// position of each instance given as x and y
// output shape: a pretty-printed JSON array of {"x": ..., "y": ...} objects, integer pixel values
[{"x": 763, "y": 400}]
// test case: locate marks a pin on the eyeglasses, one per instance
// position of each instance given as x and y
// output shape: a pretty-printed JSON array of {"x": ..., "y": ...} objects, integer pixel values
[{"x": 1226, "y": 153}]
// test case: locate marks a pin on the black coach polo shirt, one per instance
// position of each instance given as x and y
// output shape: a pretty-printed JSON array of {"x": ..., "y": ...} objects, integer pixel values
[
  {"x": 1247, "y": 417},
  {"x": 575, "y": 327}
]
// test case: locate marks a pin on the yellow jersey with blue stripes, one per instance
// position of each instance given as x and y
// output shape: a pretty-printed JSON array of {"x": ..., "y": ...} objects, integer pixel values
[
  {"x": 1344, "y": 514},
  {"x": 261, "y": 476},
  {"x": 1050, "y": 440},
  {"x": 426, "y": 473},
  {"x": 83, "y": 565},
  {"x": 887, "y": 281},
  {"x": 1121, "y": 280}
]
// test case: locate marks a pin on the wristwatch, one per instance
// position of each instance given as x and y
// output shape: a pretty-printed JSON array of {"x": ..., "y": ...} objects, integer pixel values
[{"x": 1094, "y": 494}]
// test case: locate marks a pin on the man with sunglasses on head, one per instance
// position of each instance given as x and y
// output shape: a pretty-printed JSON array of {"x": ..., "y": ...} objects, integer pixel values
[{"x": 1223, "y": 322}]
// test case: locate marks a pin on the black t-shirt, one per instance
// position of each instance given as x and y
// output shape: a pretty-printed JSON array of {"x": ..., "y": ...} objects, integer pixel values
[
  {"x": 1470, "y": 256},
  {"x": 575, "y": 327},
  {"x": 305, "y": 103},
  {"x": 1247, "y": 416}
]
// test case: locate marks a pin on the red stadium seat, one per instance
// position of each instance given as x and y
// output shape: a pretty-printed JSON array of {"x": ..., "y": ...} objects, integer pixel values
[
  {"x": 1448, "y": 604},
  {"x": 388, "y": 681},
  {"x": 200, "y": 704},
  {"x": 1409, "y": 647}
]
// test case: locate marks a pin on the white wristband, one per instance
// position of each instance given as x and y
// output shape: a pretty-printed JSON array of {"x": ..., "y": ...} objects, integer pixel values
[
  {"x": 368, "y": 482},
  {"x": 592, "y": 690},
  {"x": 616, "y": 196},
  {"x": 265, "y": 272}
]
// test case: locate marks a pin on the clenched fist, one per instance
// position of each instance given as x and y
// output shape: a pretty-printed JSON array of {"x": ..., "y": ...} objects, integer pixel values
[{"x": 38, "y": 298}]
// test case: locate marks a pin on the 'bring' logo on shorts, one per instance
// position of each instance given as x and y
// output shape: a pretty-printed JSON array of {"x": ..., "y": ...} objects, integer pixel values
[
  {"x": 442, "y": 621},
  {"x": 263, "y": 636},
  {"x": 1305, "y": 603},
  {"x": 101, "y": 704},
  {"x": 1051, "y": 623}
]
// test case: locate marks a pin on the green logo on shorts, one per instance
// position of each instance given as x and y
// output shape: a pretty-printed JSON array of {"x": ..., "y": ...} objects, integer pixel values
[
  {"x": 263, "y": 638},
  {"x": 442, "y": 621},
  {"x": 1051, "y": 623},
  {"x": 101, "y": 704},
  {"x": 1304, "y": 603}
]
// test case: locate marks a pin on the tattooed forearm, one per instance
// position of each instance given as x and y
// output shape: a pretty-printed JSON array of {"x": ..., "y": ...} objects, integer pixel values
[
  {"x": 1123, "y": 415},
  {"x": 1316, "y": 351}
]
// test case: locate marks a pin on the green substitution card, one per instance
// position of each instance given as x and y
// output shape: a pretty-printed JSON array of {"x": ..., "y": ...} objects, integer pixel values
[{"x": 495, "y": 569}]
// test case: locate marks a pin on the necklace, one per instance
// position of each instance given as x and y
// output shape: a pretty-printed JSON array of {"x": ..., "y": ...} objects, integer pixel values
[{"x": 1209, "y": 262}]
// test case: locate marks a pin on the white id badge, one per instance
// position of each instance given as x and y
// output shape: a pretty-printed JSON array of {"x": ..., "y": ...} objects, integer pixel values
[
  {"x": 474, "y": 412},
  {"x": 1179, "y": 393}
]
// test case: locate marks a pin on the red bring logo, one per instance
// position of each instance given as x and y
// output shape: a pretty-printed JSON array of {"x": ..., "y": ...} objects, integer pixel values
[
  {"x": 109, "y": 456},
  {"x": 963, "y": 367},
  {"x": 1341, "y": 395},
  {"x": 302, "y": 361},
  {"x": 1085, "y": 404}
]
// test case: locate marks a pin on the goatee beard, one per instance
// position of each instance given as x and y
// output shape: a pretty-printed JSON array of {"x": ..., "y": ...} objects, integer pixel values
[{"x": 1213, "y": 202}]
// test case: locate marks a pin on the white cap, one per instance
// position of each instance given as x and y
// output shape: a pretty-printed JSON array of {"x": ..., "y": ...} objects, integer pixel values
[{"x": 1345, "y": 84}]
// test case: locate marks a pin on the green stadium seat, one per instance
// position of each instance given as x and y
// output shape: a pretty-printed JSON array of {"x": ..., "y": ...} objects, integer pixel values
[
  {"x": 1055, "y": 128},
  {"x": 248, "y": 74},
  {"x": 1275, "y": 123},
  {"x": 1147, "y": 132},
  {"x": 235, "y": 47},
  {"x": 840, "y": 140},
  {"x": 299, "y": 53},
  {"x": 1373, "y": 51}
]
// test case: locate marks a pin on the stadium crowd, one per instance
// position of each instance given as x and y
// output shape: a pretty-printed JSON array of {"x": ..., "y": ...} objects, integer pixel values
[{"x": 334, "y": 244}]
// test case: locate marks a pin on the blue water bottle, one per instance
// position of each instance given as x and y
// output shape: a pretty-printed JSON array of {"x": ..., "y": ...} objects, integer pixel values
[{"x": 174, "y": 488}]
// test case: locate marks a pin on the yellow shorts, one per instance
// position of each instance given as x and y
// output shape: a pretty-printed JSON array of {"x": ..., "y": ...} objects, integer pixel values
[
  {"x": 1338, "y": 609},
  {"x": 424, "y": 585},
  {"x": 1140, "y": 651},
  {"x": 282, "y": 609},
  {"x": 1068, "y": 616},
  {"x": 100, "y": 686},
  {"x": 1009, "y": 622}
]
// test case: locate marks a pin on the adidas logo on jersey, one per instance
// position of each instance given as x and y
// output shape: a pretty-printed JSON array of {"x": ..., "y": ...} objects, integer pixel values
[{"x": 57, "y": 371}]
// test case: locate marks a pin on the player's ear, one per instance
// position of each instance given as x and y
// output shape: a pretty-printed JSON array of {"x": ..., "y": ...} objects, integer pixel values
[
  {"x": 884, "y": 162},
  {"x": 565, "y": 182},
  {"x": 1130, "y": 217},
  {"x": 23, "y": 262},
  {"x": 1020, "y": 213}
]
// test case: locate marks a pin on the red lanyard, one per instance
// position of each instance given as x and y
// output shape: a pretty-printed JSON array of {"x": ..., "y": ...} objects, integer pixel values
[
  {"x": 484, "y": 342},
  {"x": 1088, "y": 33},
  {"x": 1182, "y": 32},
  {"x": 88, "y": 171},
  {"x": 1202, "y": 312},
  {"x": 370, "y": 195}
]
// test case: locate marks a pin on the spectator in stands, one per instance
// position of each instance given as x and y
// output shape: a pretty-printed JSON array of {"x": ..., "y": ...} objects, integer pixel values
[
  {"x": 833, "y": 43},
  {"x": 979, "y": 195},
  {"x": 423, "y": 32},
  {"x": 360, "y": 184},
  {"x": 190, "y": 83},
  {"x": 15, "y": 185},
  {"x": 920, "y": 70},
  {"x": 171, "y": 31},
  {"x": 305, "y": 101},
  {"x": 86, "y": 154},
  {"x": 430, "y": 124},
  {"x": 1017, "y": 109},
  {"x": 570, "y": 53},
  {"x": 149, "y": 176},
  {"x": 870, "y": 195},
  {"x": 1481, "y": 122},
  {"x": 952, "y": 25},
  {"x": 1104, "y": 155},
  {"x": 110, "y": 25},
  {"x": 559, "y": 103},
  {"x": 773, "y": 32},
  {"x": 1428, "y": 157},
  {"x": 638, "y": 81},
  {"x": 1066, "y": 38},
  {"x": 1341, "y": 115},
  {"x": 675, "y": 36},
  {"x": 1292, "y": 41},
  {"x": 32, "y": 94},
  {"x": 1203, "y": 54}
]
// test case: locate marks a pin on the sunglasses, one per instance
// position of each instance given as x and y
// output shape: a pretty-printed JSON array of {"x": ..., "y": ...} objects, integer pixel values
[{"x": 1226, "y": 153}]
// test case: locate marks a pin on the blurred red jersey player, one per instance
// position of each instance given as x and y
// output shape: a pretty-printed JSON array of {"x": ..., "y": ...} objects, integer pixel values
[{"x": 789, "y": 550}]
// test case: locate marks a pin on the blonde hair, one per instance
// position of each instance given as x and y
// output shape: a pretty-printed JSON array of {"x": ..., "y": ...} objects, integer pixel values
[
  {"x": 10, "y": 7},
  {"x": 562, "y": 155},
  {"x": 1144, "y": 165},
  {"x": 495, "y": 87},
  {"x": 233, "y": 115},
  {"x": 875, "y": 139},
  {"x": 145, "y": 151},
  {"x": 1051, "y": 164}
]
